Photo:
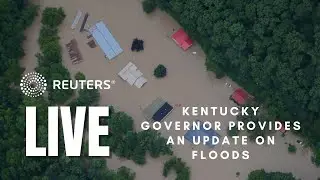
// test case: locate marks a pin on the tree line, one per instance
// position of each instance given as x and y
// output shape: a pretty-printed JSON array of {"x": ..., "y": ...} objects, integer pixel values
[
  {"x": 180, "y": 167},
  {"x": 14, "y": 18},
  {"x": 50, "y": 59}
]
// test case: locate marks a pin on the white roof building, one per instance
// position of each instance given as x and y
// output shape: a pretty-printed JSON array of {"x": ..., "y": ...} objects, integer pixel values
[{"x": 132, "y": 75}]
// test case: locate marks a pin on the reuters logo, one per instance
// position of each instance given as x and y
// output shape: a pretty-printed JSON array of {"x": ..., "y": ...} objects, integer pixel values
[{"x": 33, "y": 84}]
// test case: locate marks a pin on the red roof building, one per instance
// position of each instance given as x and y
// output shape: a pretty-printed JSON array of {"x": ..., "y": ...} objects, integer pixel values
[
  {"x": 282, "y": 130},
  {"x": 240, "y": 96},
  {"x": 182, "y": 39}
]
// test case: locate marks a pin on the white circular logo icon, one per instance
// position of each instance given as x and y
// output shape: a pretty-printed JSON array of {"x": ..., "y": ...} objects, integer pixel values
[{"x": 33, "y": 84}]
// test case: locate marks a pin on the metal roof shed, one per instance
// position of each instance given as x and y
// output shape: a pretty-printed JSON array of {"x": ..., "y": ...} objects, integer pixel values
[
  {"x": 105, "y": 40},
  {"x": 157, "y": 110}
]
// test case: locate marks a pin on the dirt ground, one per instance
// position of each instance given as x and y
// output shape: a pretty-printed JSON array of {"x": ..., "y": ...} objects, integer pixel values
[{"x": 187, "y": 83}]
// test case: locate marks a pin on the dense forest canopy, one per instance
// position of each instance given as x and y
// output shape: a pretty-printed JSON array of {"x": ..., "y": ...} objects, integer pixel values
[
  {"x": 270, "y": 47},
  {"x": 13, "y": 20}
]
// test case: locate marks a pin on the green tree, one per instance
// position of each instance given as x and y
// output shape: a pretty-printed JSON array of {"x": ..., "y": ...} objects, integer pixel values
[
  {"x": 80, "y": 76},
  {"x": 125, "y": 173},
  {"x": 159, "y": 147},
  {"x": 13, "y": 73},
  {"x": 120, "y": 123},
  {"x": 154, "y": 143},
  {"x": 176, "y": 164},
  {"x": 48, "y": 34},
  {"x": 148, "y": 6},
  {"x": 88, "y": 97},
  {"x": 292, "y": 148},
  {"x": 53, "y": 16},
  {"x": 130, "y": 143},
  {"x": 160, "y": 71},
  {"x": 58, "y": 96},
  {"x": 262, "y": 175},
  {"x": 52, "y": 52},
  {"x": 139, "y": 155}
]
